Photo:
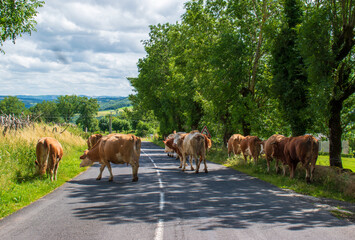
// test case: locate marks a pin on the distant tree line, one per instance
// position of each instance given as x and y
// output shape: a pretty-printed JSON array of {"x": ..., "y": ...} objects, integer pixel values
[
  {"x": 253, "y": 67},
  {"x": 83, "y": 112}
]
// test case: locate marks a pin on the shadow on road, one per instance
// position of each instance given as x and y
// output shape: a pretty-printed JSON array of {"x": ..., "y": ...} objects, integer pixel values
[{"x": 224, "y": 197}]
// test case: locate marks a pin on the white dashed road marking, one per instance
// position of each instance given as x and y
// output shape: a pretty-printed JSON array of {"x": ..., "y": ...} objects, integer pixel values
[{"x": 159, "y": 231}]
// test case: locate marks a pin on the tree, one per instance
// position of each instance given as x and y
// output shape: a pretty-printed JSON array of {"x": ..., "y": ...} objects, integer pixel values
[
  {"x": 330, "y": 57},
  {"x": 46, "y": 111},
  {"x": 12, "y": 105},
  {"x": 104, "y": 124},
  {"x": 290, "y": 83},
  {"x": 16, "y": 18},
  {"x": 87, "y": 109},
  {"x": 68, "y": 106}
]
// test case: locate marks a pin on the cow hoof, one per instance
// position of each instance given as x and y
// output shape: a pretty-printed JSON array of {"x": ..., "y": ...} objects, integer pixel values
[
  {"x": 196, "y": 172},
  {"x": 97, "y": 179},
  {"x": 110, "y": 180},
  {"x": 206, "y": 171},
  {"x": 135, "y": 179}
]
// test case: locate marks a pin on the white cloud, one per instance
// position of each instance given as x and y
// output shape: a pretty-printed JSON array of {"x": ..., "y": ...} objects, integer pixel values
[{"x": 83, "y": 47}]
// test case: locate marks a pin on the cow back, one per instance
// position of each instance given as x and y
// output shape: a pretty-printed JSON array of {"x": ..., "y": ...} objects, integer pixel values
[
  {"x": 120, "y": 148},
  {"x": 194, "y": 144}
]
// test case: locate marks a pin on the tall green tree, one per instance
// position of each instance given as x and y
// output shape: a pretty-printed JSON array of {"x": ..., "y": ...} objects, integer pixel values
[
  {"x": 88, "y": 109},
  {"x": 330, "y": 57},
  {"x": 290, "y": 83},
  {"x": 68, "y": 106},
  {"x": 16, "y": 18},
  {"x": 46, "y": 111},
  {"x": 12, "y": 105}
]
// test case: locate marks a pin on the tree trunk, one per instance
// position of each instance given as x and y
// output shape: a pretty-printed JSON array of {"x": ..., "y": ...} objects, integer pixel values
[
  {"x": 246, "y": 128},
  {"x": 335, "y": 133}
]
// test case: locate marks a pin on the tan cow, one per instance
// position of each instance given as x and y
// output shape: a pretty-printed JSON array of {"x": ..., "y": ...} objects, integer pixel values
[
  {"x": 251, "y": 146},
  {"x": 274, "y": 149},
  {"x": 302, "y": 149},
  {"x": 234, "y": 144},
  {"x": 49, "y": 153},
  {"x": 169, "y": 150},
  {"x": 114, "y": 148},
  {"x": 93, "y": 139},
  {"x": 193, "y": 145}
]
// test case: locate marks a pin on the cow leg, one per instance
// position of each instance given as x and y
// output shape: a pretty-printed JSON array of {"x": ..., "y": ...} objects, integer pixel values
[
  {"x": 204, "y": 161},
  {"x": 135, "y": 172},
  {"x": 245, "y": 158},
  {"x": 110, "y": 170},
  {"x": 191, "y": 159},
  {"x": 198, "y": 162},
  {"x": 292, "y": 169},
  {"x": 183, "y": 162},
  {"x": 101, "y": 170},
  {"x": 268, "y": 160},
  {"x": 55, "y": 170}
]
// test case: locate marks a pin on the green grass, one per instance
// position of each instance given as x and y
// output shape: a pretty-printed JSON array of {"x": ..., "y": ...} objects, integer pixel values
[
  {"x": 348, "y": 163},
  {"x": 20, "y": 184},
  {"x": 324, "y": 185}
]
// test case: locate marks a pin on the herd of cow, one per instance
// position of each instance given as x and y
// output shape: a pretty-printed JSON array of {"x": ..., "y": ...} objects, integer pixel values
[
  {"x": 125, "y": 148},
  {"x": 287, "y": 150}
]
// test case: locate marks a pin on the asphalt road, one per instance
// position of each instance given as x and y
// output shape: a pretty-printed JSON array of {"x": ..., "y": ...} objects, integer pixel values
[{"x": 168, "y": 204}]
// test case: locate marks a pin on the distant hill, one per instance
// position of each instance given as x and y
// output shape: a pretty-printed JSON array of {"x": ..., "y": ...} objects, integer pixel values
[{"x": 106, "y": 103}]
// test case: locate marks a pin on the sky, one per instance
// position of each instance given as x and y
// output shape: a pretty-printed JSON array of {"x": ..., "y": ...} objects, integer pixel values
[{"x": 83, "y": 47}]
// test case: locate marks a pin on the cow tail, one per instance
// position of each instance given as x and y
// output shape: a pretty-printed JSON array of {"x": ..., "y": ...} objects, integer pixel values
[{"x": 47, "y": 152}]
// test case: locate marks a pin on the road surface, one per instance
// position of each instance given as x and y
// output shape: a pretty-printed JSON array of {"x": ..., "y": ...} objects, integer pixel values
[{"x": 168, "y": 204}]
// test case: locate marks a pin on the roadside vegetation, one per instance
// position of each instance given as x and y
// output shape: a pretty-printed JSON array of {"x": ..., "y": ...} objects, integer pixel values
[{"x": 19, "y": 183}]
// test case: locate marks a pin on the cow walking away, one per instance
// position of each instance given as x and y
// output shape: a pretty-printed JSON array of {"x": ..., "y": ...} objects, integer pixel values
[
  {"x": 49, "y": 153},
  {"x": 302, "y": 149},
  {"x": 193, "y": 145},
  {"x": 251, "y": 146},
  {"x": 117, "y": 149},
  {"x": 234, "y": 144},
  {"x": 274, "y": 149}
]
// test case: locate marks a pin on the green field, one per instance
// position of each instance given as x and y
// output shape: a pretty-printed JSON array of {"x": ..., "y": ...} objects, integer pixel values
[{"x": 113, "y": 112}]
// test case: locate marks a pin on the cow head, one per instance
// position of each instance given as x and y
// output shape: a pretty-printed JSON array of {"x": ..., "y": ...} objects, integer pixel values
[
  {"x": 41, "y": 167},
  {"x": 85, "y": 160}
]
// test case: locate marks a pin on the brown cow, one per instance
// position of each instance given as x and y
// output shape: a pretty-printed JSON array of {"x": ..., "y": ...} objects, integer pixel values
[
  {"x": 251, "y": 146},
  {"x": 49, "y": 153},
  {"x": 302, "y": 149},
  {"x": 169, "y": 150},
  {"x": 114, "y": 148},
  {"x": 193, "y": 145},
  {"x": 93, "y": 139},
  {"x": 275, "y": 150},
  {"x": 234, "y": 144}
]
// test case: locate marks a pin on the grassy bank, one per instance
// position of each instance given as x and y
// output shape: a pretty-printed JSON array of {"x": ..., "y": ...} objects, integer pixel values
[{"x": 19, "y": 183}]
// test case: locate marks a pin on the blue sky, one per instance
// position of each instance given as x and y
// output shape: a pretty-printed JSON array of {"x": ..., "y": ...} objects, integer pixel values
[{"x": 83, "y": 47}]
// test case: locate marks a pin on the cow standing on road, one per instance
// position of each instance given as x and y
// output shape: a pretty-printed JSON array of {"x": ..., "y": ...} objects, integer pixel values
[
  {"x": 114, "y": 148},
  {"x": 49, "y": 153},
  {"x": 193, "y": 145}
]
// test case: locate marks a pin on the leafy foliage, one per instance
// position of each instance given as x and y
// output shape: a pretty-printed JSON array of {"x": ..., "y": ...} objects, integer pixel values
[{"x": 16, "y": 18}]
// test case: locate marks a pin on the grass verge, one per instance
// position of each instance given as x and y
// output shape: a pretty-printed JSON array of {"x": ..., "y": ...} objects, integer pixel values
[{"x": 19, "y": 183}]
